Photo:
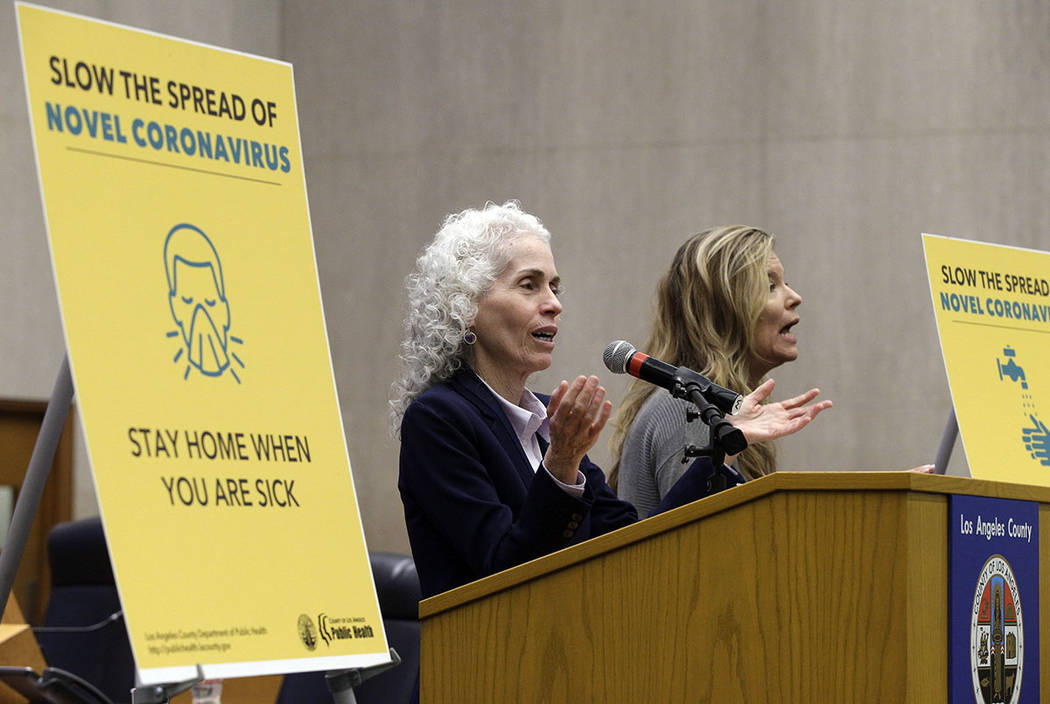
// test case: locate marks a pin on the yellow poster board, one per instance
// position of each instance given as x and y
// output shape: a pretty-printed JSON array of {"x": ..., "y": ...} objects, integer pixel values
[
  {"x": 992, "y": 305},
  {"x": 175, "y": 202}
]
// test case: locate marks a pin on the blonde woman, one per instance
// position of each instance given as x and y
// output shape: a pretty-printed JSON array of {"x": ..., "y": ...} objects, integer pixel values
[{"x": 725, "y": 310}]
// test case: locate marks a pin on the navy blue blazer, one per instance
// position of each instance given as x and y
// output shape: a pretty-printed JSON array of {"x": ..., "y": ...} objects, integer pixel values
[{"x": 474, "y": 505}]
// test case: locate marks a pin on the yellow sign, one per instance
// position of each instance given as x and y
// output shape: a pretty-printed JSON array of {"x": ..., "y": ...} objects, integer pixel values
[
  {"x": 992, "y": 305},
  {"x": 175, "y": 201}
]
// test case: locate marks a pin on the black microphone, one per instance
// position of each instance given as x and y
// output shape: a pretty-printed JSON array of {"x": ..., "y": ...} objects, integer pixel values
[{"x": 621, "y": 357}]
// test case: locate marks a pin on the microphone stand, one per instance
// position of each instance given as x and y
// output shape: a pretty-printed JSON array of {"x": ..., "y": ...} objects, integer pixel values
[{"x": 724, "y": 438}]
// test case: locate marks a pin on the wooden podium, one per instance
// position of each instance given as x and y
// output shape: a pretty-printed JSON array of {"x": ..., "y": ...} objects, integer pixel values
[{"x": 797, "y": 587}]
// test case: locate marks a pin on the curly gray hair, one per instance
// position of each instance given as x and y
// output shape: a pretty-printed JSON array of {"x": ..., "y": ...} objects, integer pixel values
[{"x": 451, "y": 276}]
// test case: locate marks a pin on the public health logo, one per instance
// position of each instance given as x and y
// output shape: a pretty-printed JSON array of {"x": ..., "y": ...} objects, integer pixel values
[
  {"x": 197, "y": 298},
  {"x": 996, "y": 635},
  {"x": 307, "y": 632},
  {"x": 1036, "y": 437}
]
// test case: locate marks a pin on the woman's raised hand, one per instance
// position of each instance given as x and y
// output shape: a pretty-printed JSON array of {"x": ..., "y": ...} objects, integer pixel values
[
  {"x": 769, "y": 421},
  {"x": 577, "y": 412}
]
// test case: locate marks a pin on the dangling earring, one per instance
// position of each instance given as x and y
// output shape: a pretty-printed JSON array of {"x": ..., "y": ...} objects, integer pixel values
[{"x": 470, "y": 337}]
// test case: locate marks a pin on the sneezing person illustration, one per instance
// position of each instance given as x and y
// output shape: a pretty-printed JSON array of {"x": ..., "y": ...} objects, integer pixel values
[{"x": 197, "y": 298}]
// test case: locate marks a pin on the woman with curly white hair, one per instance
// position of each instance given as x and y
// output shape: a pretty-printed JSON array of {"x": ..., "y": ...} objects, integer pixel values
[{"x": 492, "y": 475}]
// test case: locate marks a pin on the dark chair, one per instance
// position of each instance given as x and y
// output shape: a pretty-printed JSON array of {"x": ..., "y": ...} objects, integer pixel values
[
  {"x": 397, "y": 585},
  {"x": 83, "y": 629}
]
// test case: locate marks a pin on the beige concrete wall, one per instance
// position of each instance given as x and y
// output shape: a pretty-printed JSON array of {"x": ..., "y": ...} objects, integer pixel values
[{"x": 845, "y": 128}]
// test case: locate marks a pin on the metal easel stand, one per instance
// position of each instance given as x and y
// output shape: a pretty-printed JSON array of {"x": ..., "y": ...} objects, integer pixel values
[
  {"x": 944, "y": 451},
  {"x": 162, "y": 693},
  {"x": 341, "y": 683}
]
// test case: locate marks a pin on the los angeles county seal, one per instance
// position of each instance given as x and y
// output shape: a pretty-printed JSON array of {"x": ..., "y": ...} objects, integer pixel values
[{"x": 996, "y": 635}]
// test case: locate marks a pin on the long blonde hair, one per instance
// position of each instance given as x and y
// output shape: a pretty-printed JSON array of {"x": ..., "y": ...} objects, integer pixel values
[{"x": 707, "y": 305}]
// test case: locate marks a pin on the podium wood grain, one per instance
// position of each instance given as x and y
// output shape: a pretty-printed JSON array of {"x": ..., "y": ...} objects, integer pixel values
[{"x": 798, "y": 587}]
